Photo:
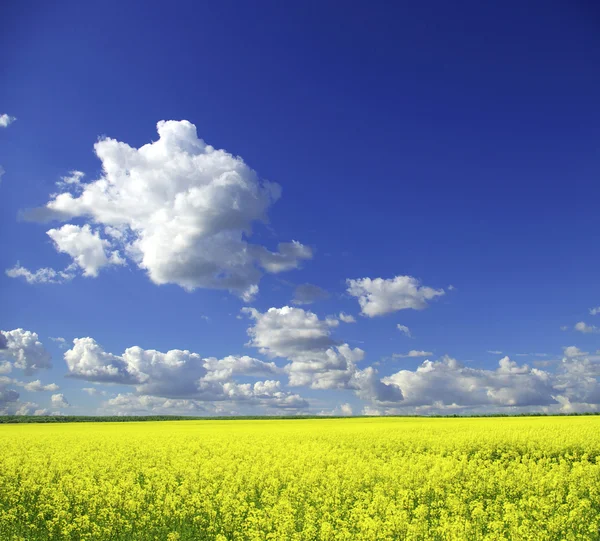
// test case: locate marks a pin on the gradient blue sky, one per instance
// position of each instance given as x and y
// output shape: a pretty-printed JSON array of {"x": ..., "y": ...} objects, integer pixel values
[{"x": 454, "y": 143}]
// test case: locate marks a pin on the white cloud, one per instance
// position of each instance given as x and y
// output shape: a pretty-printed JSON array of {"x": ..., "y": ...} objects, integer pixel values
[
  {"x": 130, "y": 404},
  {"x": 41, "y": 412},
  {"x": 378, "y": 297},
  {"x": 371, "y": 411},
  {"x": 346, "y": 409},
  {"x": 347, "y": 318},
  {"x": 72, "y": 180},
  {"x": 304, "y": 339},
  {"x": 6, "y": 120},
  {"x": 93, "y": 391},
  {"x": 44, "y": 275},
  {"x": 286, "y": 258},
  {"x": 595, "y": 311},
  {"x": 413, "y": 353},
  {"x": 5, "y": 367},
  {"x": 264, "y": 394},
  {"x": 24, "y": 350},
  {"x": 85, "y": 246},
  {"x": 288, "y": 332},
  {"x": 447, "y": 383},
  {"x": 585, "y": 328},
  {"x": 179, "y": 209},
  {"x": 317, "y": 360},
  {"x": 564, "y": 328},
  {"x": 26, "y": 408},
  {"x": 338, "y": 411},
  {"x": 404, "y": 329},
  {"x": 37, "y": 386},
  {"x": 179, "y": 374},
  {"x": 10, "y": 403},
  {"x": 250, "y": 293},
  {"x": 59, "y": 401},
  {"x": 494, "y": 352},
  {"x": 577, "y": 380},
  {"x": 87, "y": 360},
  {"x": 224, "y": 369},
  {"x": 331, "y": 368},
  {"x": 60, "y": 341},
  {"x": 309, "y": 293},
  {"x": 573, "y": 351}
]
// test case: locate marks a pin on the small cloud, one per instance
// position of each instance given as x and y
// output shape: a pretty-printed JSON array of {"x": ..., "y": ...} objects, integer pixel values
[
  {"x": 573, "y": 351},
  {"x": 564, "y": 328},
  {"x": 59, "y": 401},
  {"x": 347, "y": 318},
  {"x": 595, "y": 311},
  {"x": 544, "y": 364},
  {"x": 44, "y": 275},
  {"x": 451, "y": 288},
  {"x": 6, "y": 120},
  {"x": 346, "y": 409},
  {"x": 72, "y": 180},
  {"x": 37, "y": 386},
  {"x": 378, "y": 296},
  {"x": 332, "y": 321},
  {"x": 494, "y": 351},
  {"x": 92, "y": 391},
  {"x": 522, "y": 354},
  {"x": 341, "y": 410},
  {"x": 309, "y": 293},
  {"x": 404, "y": 329},
  {"x": 412, "y": 353},
  {"x": 585, "y": 328},
  {"x": 249, "y": 294},
  {"x": 371, "y": 411},
  {"x": 60, "y": 341}
]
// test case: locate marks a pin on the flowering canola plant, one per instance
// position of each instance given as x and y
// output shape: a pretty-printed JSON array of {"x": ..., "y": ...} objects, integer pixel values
[{"x": 525, "y": 478}]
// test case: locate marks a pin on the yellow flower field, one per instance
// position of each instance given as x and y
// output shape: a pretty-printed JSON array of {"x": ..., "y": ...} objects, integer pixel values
[{"x": 535, "y": 478}]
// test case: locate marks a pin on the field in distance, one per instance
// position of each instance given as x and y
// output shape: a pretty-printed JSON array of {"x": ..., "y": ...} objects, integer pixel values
[{"x": 519, "y": 478}]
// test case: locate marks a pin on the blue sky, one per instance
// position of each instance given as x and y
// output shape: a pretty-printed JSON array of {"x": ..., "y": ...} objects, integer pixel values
[{"x": 437, "y": 162}]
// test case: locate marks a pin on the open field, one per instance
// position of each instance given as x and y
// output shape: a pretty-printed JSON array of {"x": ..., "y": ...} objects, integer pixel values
[{"x": 532, "y": 478}]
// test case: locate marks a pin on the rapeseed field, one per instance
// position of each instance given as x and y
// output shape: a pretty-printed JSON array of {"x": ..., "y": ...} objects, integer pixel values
[{"x": 528, "y": 478}]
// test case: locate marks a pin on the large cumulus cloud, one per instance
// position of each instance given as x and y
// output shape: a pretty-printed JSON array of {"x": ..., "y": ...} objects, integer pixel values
[{"x": 177, "y": 208}]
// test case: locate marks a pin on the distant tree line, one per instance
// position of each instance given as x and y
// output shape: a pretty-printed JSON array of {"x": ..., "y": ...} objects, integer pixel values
[{"x": 24, "y": 419}]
